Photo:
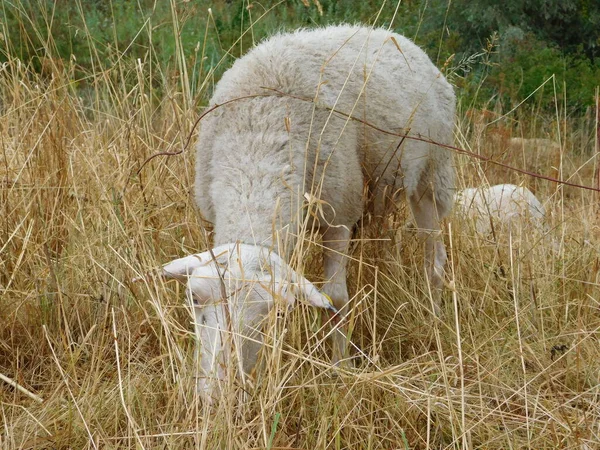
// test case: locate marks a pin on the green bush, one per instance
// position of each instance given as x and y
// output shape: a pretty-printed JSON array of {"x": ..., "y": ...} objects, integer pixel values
[
  {"x": 93, "y": 36},
  {"x": 526, "y": 69}
]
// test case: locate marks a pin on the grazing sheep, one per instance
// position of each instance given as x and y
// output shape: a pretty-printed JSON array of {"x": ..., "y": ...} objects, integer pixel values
[
  {"x": 503, "y": 205},
  {"x": 275, "y": 141}
]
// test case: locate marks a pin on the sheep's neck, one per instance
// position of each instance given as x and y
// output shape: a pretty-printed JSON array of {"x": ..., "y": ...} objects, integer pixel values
[{"x": 262, "y": 209}]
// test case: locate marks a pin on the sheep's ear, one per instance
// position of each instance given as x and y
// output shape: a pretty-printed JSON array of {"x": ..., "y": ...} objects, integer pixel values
[
  {"x": 279, "y": 288},
  {"x": 299, "y": 284},
  {"x": 311, "y": 293},
  {"x": 182, "y": 268},
  {"x": 204, "y": 284}
]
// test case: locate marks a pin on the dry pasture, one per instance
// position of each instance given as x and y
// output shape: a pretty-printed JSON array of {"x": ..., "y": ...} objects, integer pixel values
[{"x": 513, "y": 363}]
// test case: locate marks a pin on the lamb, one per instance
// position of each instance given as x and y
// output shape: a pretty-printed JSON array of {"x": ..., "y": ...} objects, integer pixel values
[
  {"x": 503, "y": 205},
  {"x": 290, "y": 147}
]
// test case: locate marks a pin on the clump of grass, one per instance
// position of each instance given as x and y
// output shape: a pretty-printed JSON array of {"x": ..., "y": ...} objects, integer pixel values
[{"x": 513, "y": 363}]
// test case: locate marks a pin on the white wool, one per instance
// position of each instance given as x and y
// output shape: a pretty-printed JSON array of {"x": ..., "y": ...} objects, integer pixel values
[
  {"x": 506, "y": 205},
  {"x": 274, "y": 140},
  {"x": 252, "y": 153}
]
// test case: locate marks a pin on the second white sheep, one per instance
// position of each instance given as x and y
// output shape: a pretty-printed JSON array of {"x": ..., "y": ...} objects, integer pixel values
[{"x": 501, "y": 206}]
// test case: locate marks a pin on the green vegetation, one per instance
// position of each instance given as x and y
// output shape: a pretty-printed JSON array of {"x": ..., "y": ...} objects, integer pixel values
[{"x": 504, "y": 52}]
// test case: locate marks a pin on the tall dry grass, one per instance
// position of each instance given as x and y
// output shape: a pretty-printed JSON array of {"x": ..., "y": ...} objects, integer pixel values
[{"x": 514, "y": 361}]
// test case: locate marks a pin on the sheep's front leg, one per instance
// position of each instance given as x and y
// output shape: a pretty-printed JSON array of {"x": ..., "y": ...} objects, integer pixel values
[
  {"x": 209, "y": 358},
  {"x": 428, "y": 218},
  {"x": 335, "y": 258}
]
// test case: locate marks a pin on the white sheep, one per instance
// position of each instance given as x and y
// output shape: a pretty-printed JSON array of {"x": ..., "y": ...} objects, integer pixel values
[
  {"x": 503, "y": 206},
  {"x": 282, "y": 134}
]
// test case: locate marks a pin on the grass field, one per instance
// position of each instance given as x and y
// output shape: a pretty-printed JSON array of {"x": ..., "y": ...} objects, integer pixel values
[{"x": 513, "y": 362}]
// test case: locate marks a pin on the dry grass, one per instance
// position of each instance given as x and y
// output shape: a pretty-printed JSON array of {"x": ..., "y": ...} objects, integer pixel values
[{"x": 513, "y": 363}]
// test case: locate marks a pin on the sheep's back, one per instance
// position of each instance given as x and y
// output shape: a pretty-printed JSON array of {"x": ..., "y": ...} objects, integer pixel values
[
  {"x": 332, "y": 65},
  {"x": 375, "y": 76}
]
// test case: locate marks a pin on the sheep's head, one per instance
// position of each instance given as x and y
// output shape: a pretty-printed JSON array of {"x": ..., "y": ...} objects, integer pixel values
[{"x": 236, "y": 285}]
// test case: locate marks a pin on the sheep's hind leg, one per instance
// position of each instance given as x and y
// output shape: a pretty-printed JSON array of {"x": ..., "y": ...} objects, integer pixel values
[
  {"x": 336, "y": 241},
  {"x": 427, "y": 216}
]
